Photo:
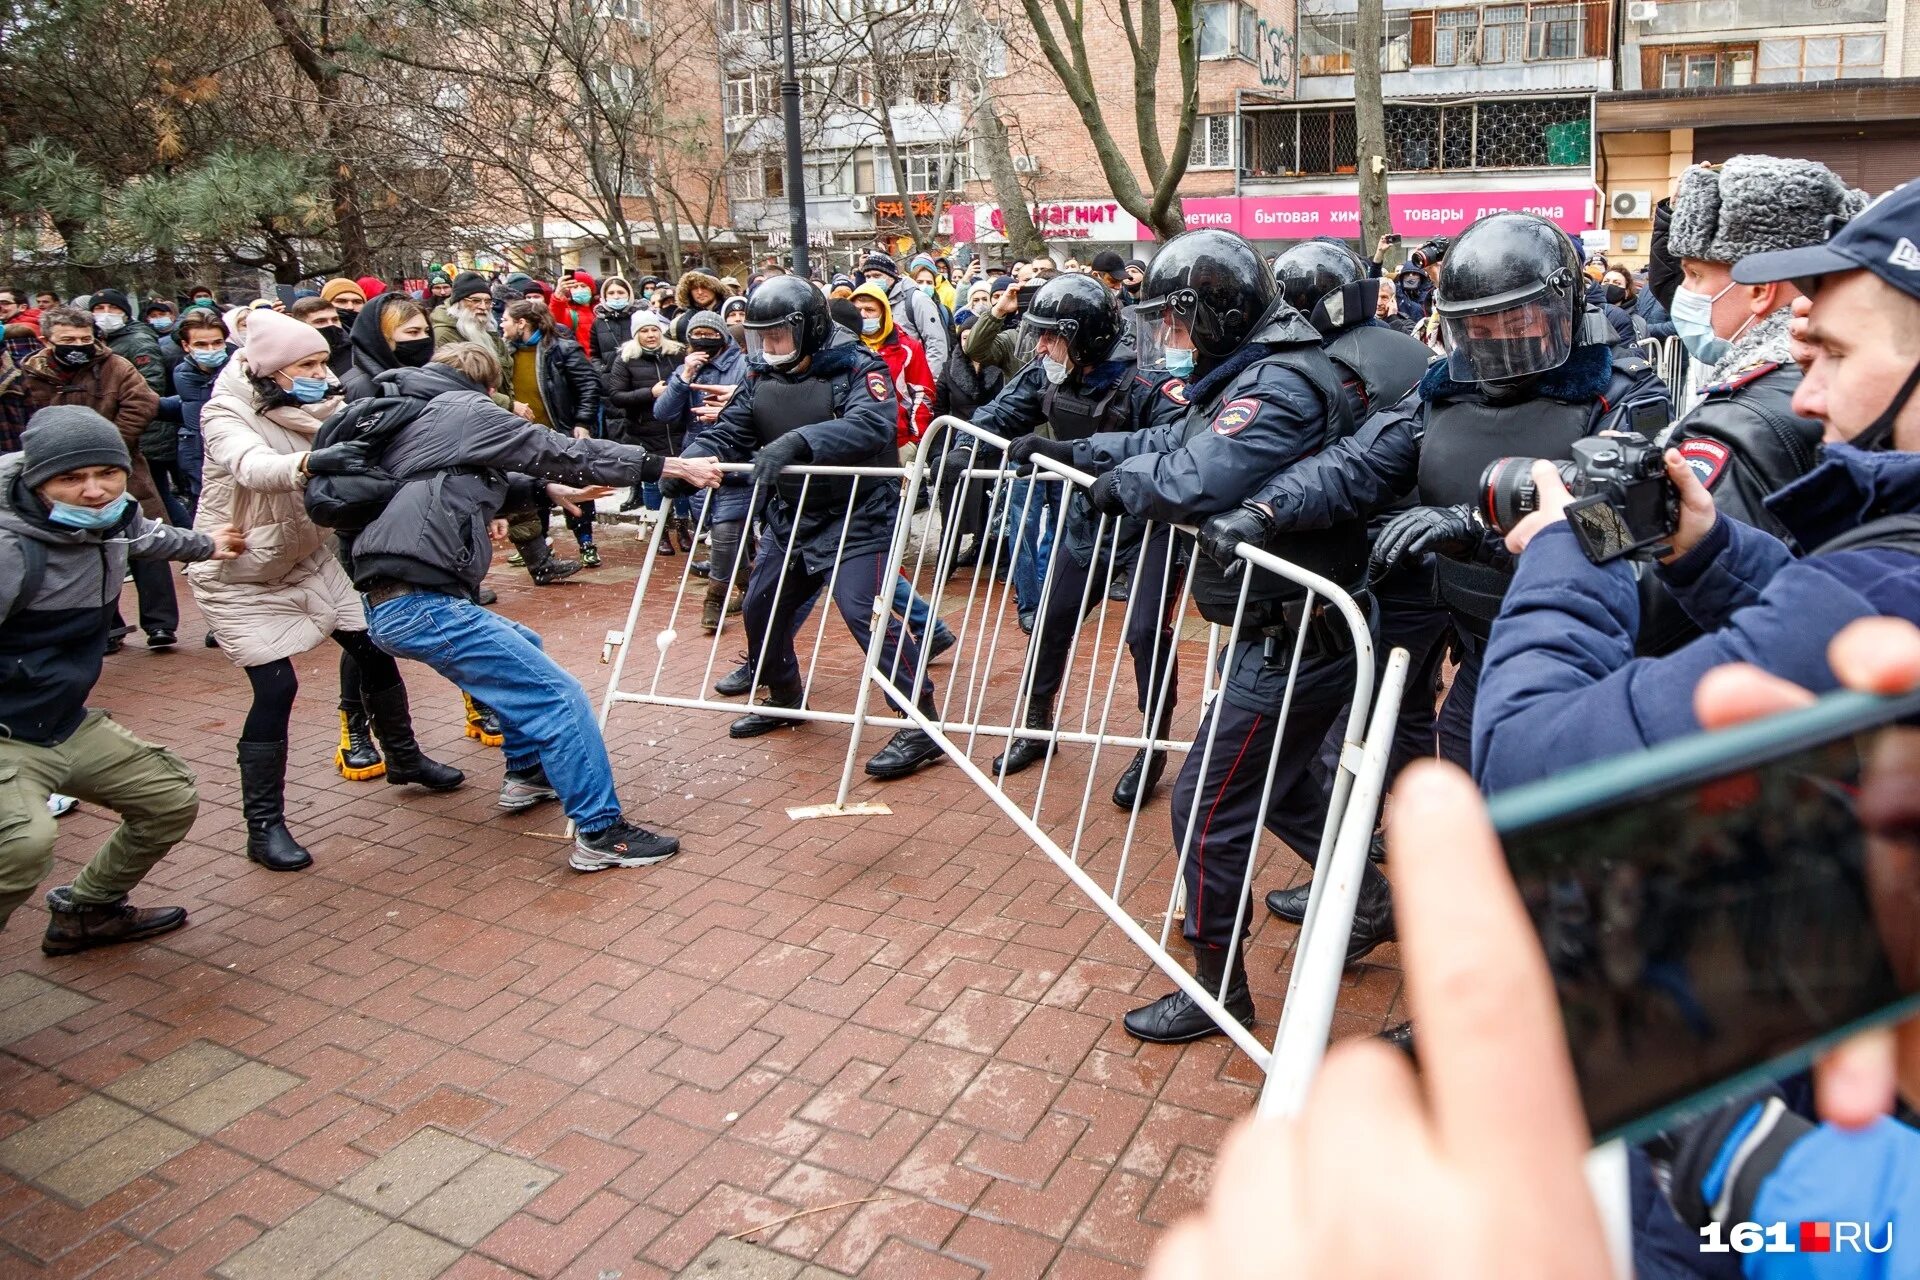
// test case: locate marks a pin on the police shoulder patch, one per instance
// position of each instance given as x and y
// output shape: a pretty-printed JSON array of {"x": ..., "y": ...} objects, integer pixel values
[
  {"x": 1740, "y": 380},
  {"x": 1175, "y": 389},
  {"x": 1708, "y": 458},
  {"x": 1234, "y": 416},
  {"x": 877, "y": 385}
]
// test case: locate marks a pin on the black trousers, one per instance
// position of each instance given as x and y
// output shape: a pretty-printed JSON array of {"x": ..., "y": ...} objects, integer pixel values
[
  {"x": 774, "y": 612},
  {"x": 159, "y": 607},
  {"x": 1149, "y": 636},
  {"x": 1220, "y": 831},
  {"x": 1454, "y": 727}
]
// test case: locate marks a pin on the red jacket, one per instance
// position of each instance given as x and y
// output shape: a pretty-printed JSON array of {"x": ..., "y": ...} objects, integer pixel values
[
  {"x": 577, "y": 319},
  {"x": 912, "y": 383}
]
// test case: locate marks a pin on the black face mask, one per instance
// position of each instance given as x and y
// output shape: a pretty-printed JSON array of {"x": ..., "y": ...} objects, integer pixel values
[
  {"x": 74, "y": 355},
  {"x": 1877, "y": 435},
  {"x": 414, "y": 352},
  {"x": 712, "y": 346},
  {"x": 336, "y": 337},
  {"x": 1615, "y": 293},
  {"x": 347, "y": 315}
]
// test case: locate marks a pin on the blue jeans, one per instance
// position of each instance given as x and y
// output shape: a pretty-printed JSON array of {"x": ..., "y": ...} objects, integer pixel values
[
  {"x": 543, "y": 710},
  {"x": 909, "y": 603},
  {"x": 1035, "y": 540}
]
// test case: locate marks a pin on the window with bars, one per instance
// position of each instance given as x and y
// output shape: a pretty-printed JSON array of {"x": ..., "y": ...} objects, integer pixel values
[
  {"x": 1327, "y": 41},
  {"x": 1213, "y": 143},
  {"x": 1518, "y": 31},
  {"x": 1321, "y": 142},
  {"x": 1798, "y": 58},
  {"x": 1456, "y": 37}
]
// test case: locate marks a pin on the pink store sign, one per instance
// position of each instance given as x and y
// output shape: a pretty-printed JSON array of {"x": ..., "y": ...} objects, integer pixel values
[{"x": 1420, "y": 215}]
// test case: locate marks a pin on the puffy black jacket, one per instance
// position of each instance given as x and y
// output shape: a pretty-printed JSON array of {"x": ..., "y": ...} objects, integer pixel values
[
  {"x": 609, "y": 333},
  {"x": 962, "y": 389},
  {"x": 569, "y": 384},
  {"x": 630, "y": 383}
]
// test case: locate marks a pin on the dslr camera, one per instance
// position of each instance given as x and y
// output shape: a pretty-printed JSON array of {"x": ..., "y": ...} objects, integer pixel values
[{"x": 1624, "y": 504}]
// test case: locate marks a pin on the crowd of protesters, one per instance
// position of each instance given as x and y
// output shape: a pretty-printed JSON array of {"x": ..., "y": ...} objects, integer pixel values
[{"x": 339, "y": 463}]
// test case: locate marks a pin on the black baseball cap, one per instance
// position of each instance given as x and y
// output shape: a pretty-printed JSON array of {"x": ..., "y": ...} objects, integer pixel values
[{"x": 1883, "y": 238}]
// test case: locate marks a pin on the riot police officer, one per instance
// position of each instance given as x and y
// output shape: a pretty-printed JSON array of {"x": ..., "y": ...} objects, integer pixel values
[
  {"x": 1084, "y": 380},
  {"x": 815, "y": 395},
  {"x": 1263, "y": 398}
]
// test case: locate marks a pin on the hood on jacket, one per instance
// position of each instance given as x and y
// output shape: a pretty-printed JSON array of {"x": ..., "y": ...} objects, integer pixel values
[
  {"x": 424, "y": 383},
  {"x": 683, "y": 292},
  {"x": 368, "y": 342},
  {"x": 877, "y": 340},
  {"x": 600, "y": 300}
]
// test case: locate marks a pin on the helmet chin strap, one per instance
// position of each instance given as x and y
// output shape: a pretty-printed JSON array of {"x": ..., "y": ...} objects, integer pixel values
[{"x": 1878, "y": 434}]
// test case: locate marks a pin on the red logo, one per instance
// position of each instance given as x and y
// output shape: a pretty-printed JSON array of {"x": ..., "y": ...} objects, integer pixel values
[
  {"x": 1175, "y": 389},
  {"x": 877, "y": 386},
  {"x": 1708, "y": 458},
  {"x": 1816, "y": 1237},
  {"x": 1235, "y": 416}
]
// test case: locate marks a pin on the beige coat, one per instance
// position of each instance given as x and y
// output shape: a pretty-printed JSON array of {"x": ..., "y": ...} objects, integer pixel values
[{"x": 287, "y": 592}]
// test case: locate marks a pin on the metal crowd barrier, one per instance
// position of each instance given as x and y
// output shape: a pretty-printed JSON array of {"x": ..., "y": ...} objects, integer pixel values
[{"x": 1132, "y": 874}]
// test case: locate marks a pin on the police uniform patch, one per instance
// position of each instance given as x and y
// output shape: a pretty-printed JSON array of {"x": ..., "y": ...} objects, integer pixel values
[
  {"x": 1175, "y": 389},
  {"x": 877, "y": 386},
  {"x": 1235, "y": 415},
  {"x": 1708, "y": 458}
]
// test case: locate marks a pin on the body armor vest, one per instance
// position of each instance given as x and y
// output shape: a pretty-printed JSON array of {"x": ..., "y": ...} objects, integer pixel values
[
  {"x": 1075, "y": 415},
  {"x": 795, "y": 405},
  {"x": 1386, "y": 364}
]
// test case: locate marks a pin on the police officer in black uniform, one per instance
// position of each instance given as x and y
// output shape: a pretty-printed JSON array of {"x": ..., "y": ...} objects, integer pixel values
[
  {"x": 1530, "y": 370},
  {"x": 1264, "y": 397},
  {"x": 1084, "y": 380},
  {"x": 816, "y": 395}
]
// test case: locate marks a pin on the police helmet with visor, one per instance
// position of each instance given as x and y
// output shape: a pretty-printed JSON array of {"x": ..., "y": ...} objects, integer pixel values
[
  {"x": 1084, "y": 313},
  {"x": 1510, "y": 300},
  {"x": 787, "y": 321},
  {"x": 1208, "y": 290},
  {"x": 1309, "y": 272}
]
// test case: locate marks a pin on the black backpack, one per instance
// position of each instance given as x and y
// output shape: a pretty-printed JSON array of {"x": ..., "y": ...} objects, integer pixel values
[{"x": 348, "y": 504}]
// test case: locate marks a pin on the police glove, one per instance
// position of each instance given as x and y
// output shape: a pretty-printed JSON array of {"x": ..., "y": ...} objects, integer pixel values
[
  {"x": 784, "y": 451},
  {"x": 348, "y": 458},
  {"x": 1104, "y": 497},
  {"x": 1222, "y": 534},
  {"x": 1023, "y": 451},
  {"x": 1445, "y": 530}
]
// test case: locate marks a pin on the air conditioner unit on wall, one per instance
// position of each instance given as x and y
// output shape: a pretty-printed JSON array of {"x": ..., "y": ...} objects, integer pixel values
[
  {"x": 1026, "y": 164},
  {"x": 1642, "y": 10},
  {"x": 1631, "y": 206},
  {"x": 862, "y": 204}
]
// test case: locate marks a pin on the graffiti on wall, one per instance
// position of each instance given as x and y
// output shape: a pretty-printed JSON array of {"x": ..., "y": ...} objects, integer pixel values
[{"x": 1276, "y": 56}]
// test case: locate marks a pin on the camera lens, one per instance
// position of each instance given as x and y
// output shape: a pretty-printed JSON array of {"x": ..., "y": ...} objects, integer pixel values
[{"x": 1507, "y": 493}]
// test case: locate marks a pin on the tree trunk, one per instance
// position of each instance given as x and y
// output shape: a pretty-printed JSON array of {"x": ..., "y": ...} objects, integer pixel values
[
  {"x": 1023, "y": 238},
  {"x": 1370, "y": 123}
]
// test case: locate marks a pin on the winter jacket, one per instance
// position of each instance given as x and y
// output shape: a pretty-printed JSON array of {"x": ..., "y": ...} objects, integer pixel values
[
  {"x": 286, "y": 592},
  {"x": 574, "y": 317},
  {"x": 1648, "y": 308},
  {"x": 18, "y": 342},
  {"x": 1560, "y": 685},
  {"x": 464, "y": 460},
  {"x": 372, "y": 356},
  {"x": 907, "y": 361},
  {"x": 683, "y": 291},
  {"x": 1663, "y": 269},
  {"x": 727, "y": 368},
  {"x": 192, "y": 388},
  {"x": 446, "y": 331},
  {"x": 609, "y": 332},
  {"x": 569, "y": 384},
  {"x": 990, "y": 341},
  {"x": 630, "y": 383},
  {"x": 919, "y": 316},
  {"x": 52, "y": 646},
  {"x": 139, "y": 345},
  {"x": 963, "y": 388},
  {"x": 112, "y": 388},
  {"x": 1622, "y": 320}
]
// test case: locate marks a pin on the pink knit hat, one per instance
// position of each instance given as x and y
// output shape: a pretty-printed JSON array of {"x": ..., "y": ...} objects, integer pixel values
[{"x": 275, "y": 341}]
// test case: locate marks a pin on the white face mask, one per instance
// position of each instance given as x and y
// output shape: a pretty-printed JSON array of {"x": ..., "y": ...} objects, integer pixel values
[
  {"x": 109, "y": 321},
  {"x": 1056, "y": 371}
]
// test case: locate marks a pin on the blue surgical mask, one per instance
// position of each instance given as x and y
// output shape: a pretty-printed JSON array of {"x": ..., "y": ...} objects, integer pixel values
[
  {"x": 161, "y": 324},
  {"x": 869, "y": 325},
  {"x": 1056, "y": 371},
  {"x": 310, "y": 390},
  {"x": 1179, "y": 361},
  {"x": 1692, "y": 315},
  {"x": 617, "y": 304},
  {"x": 582, "y": 295},
  {"x": 76, "y": 517},
  {"x": 209, "y": 360}
]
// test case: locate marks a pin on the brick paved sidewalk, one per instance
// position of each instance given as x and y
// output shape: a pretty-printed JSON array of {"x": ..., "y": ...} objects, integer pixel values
[{"x": 441, "y": 1052}]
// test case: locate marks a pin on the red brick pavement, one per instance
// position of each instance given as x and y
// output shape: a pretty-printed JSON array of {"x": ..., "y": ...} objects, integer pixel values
[{"x": 788, "y": 1015}]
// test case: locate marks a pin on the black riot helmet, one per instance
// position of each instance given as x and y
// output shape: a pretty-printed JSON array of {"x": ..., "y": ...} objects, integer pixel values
[
  {"x": 1309, "y": 272},
  {"x": 1510, "y": 300},
  {"x": 1211, "y": 283},
  {"x": 1078, "y": 308},
  {"x": 791, "y": 306}
]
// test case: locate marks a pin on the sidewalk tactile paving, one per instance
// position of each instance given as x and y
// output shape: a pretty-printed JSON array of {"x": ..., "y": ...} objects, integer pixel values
[{"x": 440, "y": 1052}]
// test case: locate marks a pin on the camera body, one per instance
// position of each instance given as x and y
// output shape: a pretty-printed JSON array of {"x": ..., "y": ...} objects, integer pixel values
[{"x": 1624, "y": 503}]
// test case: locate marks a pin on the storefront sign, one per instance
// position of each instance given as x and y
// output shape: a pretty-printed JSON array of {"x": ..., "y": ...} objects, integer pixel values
[
  {"x": 1421, "y": 214},
  {"x": 894, "y": 209},
  {"x": 1102, "y": 220}
]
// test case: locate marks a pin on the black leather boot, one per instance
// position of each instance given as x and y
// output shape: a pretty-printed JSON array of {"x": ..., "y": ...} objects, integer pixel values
[
  {"x": 1372, "y": 914},
  {"x": 1147, "y": 766},
  {"x": 75, "y": 926},
  {"x": 905, "y": 752},
  {"x": 263, "y": 785},
  {"x": 356, "y": 757},
  {"x": 1176, "y": 1019},
  {"x": 393, "y": 725},
  {"x": 1024, "y": 753},
  {"x": 754, "y": 724}
]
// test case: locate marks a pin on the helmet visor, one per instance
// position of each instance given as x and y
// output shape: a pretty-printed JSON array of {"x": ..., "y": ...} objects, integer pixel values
[
  {"x": 775, "y": 344},
  {"x": 1517, "y": 341},
  {"x": 1035, "y": 331},
  {"x": 1185, "y": 321},
  {"x": 1157, "y": 326}
]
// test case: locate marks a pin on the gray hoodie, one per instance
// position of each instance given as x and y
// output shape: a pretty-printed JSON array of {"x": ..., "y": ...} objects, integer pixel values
[{"x": 52, "y": 644}]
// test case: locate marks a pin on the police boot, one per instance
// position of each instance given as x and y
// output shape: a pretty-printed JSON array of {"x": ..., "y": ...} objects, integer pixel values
[
  {"x": 483, "y": 722},
  {"x": 1175, "y": 1019},
  {"x": 1024, "y": 753},
  {"x": 754, "y": 723},
  {"x": 356, "y": 756},
  {"x": 1372, "y": 913},
  {"x": 737, "y": 681},
  {"x": 263, "y": 782},
  {"x": 81, "y": 926},
  {"x": 1146, "y": 768},
  {"x": 905, "y": 752},
  {"x": 1291, "y": 904},
  {"x": 393, "y": 724},
  {"x": 1400, "y": 1036}
]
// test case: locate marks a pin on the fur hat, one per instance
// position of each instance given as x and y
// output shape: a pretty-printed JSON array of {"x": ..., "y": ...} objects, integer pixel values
[{"x": 1756, "y": 204}]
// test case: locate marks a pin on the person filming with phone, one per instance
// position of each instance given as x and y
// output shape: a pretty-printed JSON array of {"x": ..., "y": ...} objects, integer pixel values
[{"x": 1560, "y": 683}]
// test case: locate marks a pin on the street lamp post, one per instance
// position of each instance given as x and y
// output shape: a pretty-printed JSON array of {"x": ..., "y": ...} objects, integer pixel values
[{"x": 796, "y": 183}]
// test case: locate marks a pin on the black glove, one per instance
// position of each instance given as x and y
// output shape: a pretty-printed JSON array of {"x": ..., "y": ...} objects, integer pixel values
[
  {"x": 788, "y": 450},
  {"x": 1022, "y": 452},
  {"x": 1446, "y": 530},
  {"x": 349, "y": 458},
  {"x": 1102, "y": 497},
  {"x": 950, "y": 471},
  {"x": 1226, "y": 531},
  {"x": 672, "y": 490}
]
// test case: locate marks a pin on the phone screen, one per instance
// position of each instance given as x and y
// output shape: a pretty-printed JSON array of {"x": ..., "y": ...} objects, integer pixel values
[{"x": 1701, "y": 932}]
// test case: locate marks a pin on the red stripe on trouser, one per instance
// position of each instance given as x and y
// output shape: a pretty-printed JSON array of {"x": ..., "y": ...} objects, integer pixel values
[{"x": 1200, "y": 852}]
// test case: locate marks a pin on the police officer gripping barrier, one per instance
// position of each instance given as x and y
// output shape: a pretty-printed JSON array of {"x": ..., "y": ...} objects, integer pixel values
[
  {"x": 1085, "y": 382},
  {"x": 1264, "y": 396},
  {"x": 815, "y": 395}
]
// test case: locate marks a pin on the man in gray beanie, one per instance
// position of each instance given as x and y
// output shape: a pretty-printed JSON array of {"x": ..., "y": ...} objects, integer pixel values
[{"x": 67, "y": 528}]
